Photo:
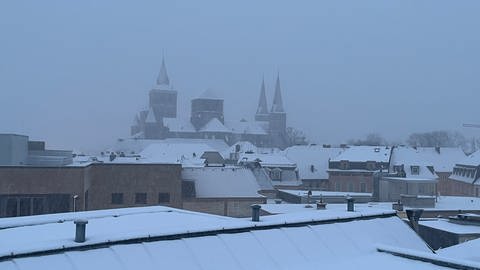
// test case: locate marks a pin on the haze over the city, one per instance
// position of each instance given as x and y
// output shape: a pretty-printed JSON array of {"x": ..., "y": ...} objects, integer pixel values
[{"x": 75, "y": 73}]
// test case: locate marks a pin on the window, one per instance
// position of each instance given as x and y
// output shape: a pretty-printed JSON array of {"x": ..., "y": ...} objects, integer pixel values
[
  {"x": 140, "y": 198},
  {"x": 344, "y": 164},
  {"x": 337, "y": 186},
  {"x": 276, "y": 174},
  {"x": 11, "y": 210},
  {"x": 163, "y": 197},
  {"x": 38, "y": 206},
  {"x": 415, "y": 170},
  {"x": 350, "y": 187},
  {"x": 188, "y": 189},
  {"x": 363, "y": 187},
  {"x": 25, "y": 207},
  {"x": 117, "y": 198},
  {"x": 397, "y": 168}
]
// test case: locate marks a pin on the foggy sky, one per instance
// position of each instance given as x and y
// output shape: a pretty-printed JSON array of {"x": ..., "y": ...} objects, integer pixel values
[{"x": 74, "y": 73}]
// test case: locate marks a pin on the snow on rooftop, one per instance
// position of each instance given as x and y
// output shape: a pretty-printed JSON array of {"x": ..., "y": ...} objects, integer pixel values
[
  {"x": 445, "y": 225},
  {"x": 365, "y": 153},
  {"x": 135, "y": 146},
  {"x": 325, "y": 193},
  {"x": 349, "y": 244},
  {"x": 185, "y": 153},
  {"x": 306, "y": 156},
  {"x": 471, "y": 160},
  {"x": 214, "y": 125},
  {"x": 466, "y": 250},
  {"x": 246, "y": 127},
  {"x": 442, "y": 161},
  {"x": 223, "y": 182},
  {"x": 178, "y": 125},
  {"x": 268, "y": 160}
]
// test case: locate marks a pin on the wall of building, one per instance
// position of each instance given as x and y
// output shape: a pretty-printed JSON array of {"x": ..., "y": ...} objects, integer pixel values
[
  {"x": 14, "y": 149},
  {"x": 350, "y": 182},
  {"x": 451, "y": 187},
  {"x": 390, "y": 190},
  {"x": 27, "y": 183},
  {"x": 130, "y": 179},
  {"x": 232, "y": 207}
]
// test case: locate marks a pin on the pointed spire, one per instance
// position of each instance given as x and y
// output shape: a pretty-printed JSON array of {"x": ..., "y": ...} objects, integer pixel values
[
  {"x": 262, "y": 101},
  {"x": 277, "y": 105},
  {"x": 162, "y": 78}
]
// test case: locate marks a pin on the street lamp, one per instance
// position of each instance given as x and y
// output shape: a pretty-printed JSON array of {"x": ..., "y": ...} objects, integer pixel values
[{"x": 74, "y": 198}]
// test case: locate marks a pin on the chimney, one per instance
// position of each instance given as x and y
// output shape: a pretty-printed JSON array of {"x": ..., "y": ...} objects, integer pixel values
[
  {"x": 81, "y": 225},
  {"x": 437, "y": 148},
  {"x": 350, "y": 204},
  {"x": 413, "y": 216},
  {"x": 256, "y": 212}
]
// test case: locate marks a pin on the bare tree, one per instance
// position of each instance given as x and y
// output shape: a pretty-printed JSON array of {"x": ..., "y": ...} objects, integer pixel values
[
  {"x": 372, "y": 139},
  {"x": 437, "y": 138},
  {"x": 296, "y": 137}
]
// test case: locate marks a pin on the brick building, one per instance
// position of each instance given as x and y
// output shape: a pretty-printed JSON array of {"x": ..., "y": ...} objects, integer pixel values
[
  {"x": 353, "y": 169},
  {"x": 27, "y": 190}
]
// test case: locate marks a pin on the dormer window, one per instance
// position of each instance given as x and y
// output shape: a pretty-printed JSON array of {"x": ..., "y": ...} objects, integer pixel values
[
  {"x": 397, "y": 168},
  {"x": 415, "y": 170},
  {"x": 344, "y": 165}
]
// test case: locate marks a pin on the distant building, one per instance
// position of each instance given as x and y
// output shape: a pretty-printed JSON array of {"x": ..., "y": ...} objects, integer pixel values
[
  {"x": 207, "y": 120},
  {"x": 353, "y": 170},
  {"x": 19, "y": 150},
  {"x": 464, "y": 179}
]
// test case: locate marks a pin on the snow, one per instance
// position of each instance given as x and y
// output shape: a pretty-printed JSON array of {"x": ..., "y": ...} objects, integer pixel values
[
  {"x": 427, "y": 156},
  {"x": 214, "y": 125},
  {"x": 185, "y": 153},
  {"x": 306, "y": 156},
  {"x": 247, "y": 127},
  {"x": 268, "y": 160},
  {"x": 467, "y": 250},
  {"x": 325, "y": 193},
  {"x": 137, "y": 145},
  {"x": 178, "y": 125},
  {"x": 471, "y": 160},
  {"x": 225, "y": 182},
  {"x": 339, "y": 245},
  {"x": 365, "y": 153},
  {"x": 445, "y": 225}
]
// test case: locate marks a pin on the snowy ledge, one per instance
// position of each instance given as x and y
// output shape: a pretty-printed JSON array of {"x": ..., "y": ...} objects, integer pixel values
[{"x": 430, "y": 258}]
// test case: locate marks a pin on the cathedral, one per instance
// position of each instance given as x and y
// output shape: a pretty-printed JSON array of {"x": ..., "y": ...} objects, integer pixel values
[{"x": 207, "y": 121}]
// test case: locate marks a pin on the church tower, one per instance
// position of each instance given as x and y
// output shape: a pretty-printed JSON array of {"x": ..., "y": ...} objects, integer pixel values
[
  {"x": 278, "y": 118},
  {"x": 163, "y": 99},
  {"x": 262, "y": 109}
]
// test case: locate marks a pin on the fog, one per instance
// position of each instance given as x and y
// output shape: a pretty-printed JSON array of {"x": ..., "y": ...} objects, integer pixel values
[{"x": 74, "y": 73}]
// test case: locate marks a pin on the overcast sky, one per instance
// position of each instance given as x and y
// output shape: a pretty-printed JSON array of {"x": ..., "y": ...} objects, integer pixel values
[{"x": 74, "y": 73}]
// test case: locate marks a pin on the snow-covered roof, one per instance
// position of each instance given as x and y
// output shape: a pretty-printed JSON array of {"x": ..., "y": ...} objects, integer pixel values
[
  {"x": 318, "y": 193},
  {"x": 471, "y": 160},
  {"x": 214, "y": 125},
  {"x": 178, "y": 125},
  {"x": 306, "y": 156},
  {"x": 466, "y": 250},
  {"x": 268, "y": 160},
  {"x": 131, "y": 145},
  {"x": 244, "y": 146},
  {"x": 364, "y": 153},
  {"x": 222, "y": 182},
  {"x": 163, "y": 237},
  {"x": 442, "y": 161},
  {"x": 246, "y": 127},
  {"x": 447, "y": 226},
  {"x": 185, "y": 153}
]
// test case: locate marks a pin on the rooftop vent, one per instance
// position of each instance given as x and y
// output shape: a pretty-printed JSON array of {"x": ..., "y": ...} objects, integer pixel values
[
  {"x": 80, "y": 228},
  {"x": 256, "y": 212}
]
